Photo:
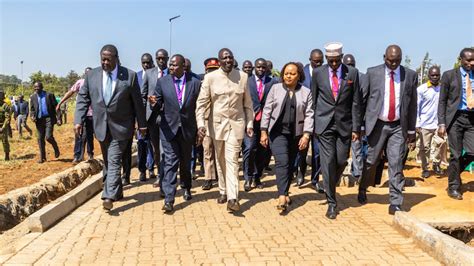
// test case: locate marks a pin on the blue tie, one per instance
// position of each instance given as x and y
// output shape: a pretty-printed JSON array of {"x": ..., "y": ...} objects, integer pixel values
[{"x": 108, "y": 88}]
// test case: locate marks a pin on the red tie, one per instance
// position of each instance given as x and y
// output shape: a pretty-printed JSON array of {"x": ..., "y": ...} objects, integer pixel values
[
  {"x": 391, "y": 106},
  {"x": 335, "y": 84},
  {"x": 258, "y": 117}
]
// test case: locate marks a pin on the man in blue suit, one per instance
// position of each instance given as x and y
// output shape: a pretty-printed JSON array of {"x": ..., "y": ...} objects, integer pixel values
[
  {"x": 253, "y": 153},
  {"x": 175, "y": 99},
  {"x": 316, "y": 59},
  {"x": 145, "y": 149}
]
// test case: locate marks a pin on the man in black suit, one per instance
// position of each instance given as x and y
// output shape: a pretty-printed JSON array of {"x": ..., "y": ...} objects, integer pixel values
[
  {"x": 337, "y": 103},
  {"x": 316, "y": 59},
  {"x": 390, "y": 121},
  {"x": 456, "y": 117},
  {"x": 152, "y": 117},
  {"x": 175, "y": 97},
  {"x": 43, "y": 114},
  {"x": 114, "y": 94},
  {"x": 253, "y": 152}
]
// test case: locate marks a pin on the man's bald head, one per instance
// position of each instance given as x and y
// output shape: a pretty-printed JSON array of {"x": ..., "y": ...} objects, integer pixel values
[
  {"x": 393, "y": 56},
  {"x": 349, "y": 60}
]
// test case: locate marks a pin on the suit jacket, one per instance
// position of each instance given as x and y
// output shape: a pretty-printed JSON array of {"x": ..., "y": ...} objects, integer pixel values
[
  {"x": 139, "y": 78},
  {"x": 375, "y": 81},
  {"x": 148, "y": 89},
  {"x": 227, "y": 99},
  {"x": 307, "y": 75},
  {"x": 274, "y": 108},
  {"x": 252, "y": 85},
  {"x": 172, "y": 116},
  {"x": 449, "y": 97},
  {"x": 345, "y": 109},
  {"x": 125, "y": 106},
  {"x": 51, "y": 104}
]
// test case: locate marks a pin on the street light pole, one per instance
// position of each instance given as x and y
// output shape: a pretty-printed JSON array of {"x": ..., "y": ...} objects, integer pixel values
[
  {"x": 171, "y": 27},
  {"x": 21, "y": 62}
]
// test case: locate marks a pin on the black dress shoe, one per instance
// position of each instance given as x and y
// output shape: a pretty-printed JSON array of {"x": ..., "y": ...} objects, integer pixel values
[
  {"x": 57, "y": 153},
  {"x": 394, "y": 208},
  {"x": 437, "y": 169},
  {"x": 207, "y": 185},
  {"x": 107, "y": 204},
  {"x": 247, "y": 185},
  {"x": 222, "y": 199},
  {"x": 151, "y": 174},
  {"x": 125, "y": 181},
  {"x": 425, "y": 174},
  {"x": 41, "y": 160},
  {"x": 268, "y": 168},
  {"x": 258, "y": 184},
  {"x": 181, "y": 185},
  {"x": 233, "y": 206},
  {"x": 455, "y": 194},
  {"x": 331, "y": 213},
  {"x": 319, "y": 188},
  {"x": 299, "y": 180},
  {"x": 362, "y": 196},
  {"x": 167, "y": 207},
  {"x": 187, "y": 195},
  {"x": 142, "y": 177}
]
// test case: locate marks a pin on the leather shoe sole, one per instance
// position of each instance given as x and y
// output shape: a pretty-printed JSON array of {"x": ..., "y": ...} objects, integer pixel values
[{"x": 454, "y": 194}]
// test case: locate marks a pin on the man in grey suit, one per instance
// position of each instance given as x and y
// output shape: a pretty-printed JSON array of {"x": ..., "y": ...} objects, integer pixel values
[
  {"x": 152, "y": 117},
  {"x": 337, "y": 121},
  {"x": 390, "y": 121},
  {"x": 114, "y": 94}
]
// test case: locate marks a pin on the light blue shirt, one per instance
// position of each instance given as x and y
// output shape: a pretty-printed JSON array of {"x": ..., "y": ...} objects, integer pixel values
[
  {"x": 463, "y": 103},
  {"x": 427, "y": 109},
  {"x": 42, "y": 107}
]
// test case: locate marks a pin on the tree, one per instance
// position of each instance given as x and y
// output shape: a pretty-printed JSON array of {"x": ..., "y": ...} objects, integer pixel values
[
  {"x": 407, "y": 63},
  {"x": 422, "y": 70}
]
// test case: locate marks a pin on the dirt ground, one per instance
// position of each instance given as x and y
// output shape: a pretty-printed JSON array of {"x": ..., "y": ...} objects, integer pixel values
[{"x": 23, "y": 170}]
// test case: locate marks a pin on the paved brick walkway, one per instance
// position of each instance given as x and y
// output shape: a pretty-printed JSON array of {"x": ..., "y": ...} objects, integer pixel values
[{"x": 202, "y": 232}]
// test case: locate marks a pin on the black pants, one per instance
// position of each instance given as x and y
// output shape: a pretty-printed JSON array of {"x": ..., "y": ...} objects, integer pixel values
[
  {"x": 460, "y": 137},
  {"x": 45, "y": 131},
  {"x": 86, "y": 138},
  {"x": 284, "y": 148},
  {"x": 253, "y": 155},
  {"x": 177, "y": 155},
  {"x": 333, "y": 152}
]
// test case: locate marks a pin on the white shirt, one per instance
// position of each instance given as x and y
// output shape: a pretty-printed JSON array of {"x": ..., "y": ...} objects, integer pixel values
[
  {"x": 114, "y": 79},
  {"x": 338, "y": 73},
  {"x": 427, "y": 109},
  {"x": 310, "y": 70},
  {"x": 386, "y": 99}
]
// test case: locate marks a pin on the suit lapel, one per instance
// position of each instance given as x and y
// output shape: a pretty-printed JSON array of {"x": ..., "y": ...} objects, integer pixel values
[
  {"x": 119, "y": 78},
  {"x": 100, "y": 77},
  {"x": 188, "y": 88},
  {"x": 327, "y": 82},
  {"x": 344, "y": 73},
  {"x": 458, "y": 77},
  {"x": 173, "y": 92},
  {"x": 267, "y": 86},
  {"x": 402, "y": 85}
]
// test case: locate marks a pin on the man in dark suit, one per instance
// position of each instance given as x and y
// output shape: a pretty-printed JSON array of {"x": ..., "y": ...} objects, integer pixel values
[
  {"x": 253, "y": 152},
  {"x": 176, "y": 96},
  {"x": 337, "y": 99},
  {"x": 316, "y": 59},
  {"x": 456, "y": 117},
  {"x": 114, "y": 94},
  {"x": 390, "y": 121},
  {"x": 152, "y": 117},
  {"x": 144, "y": 147},
  {"x": 358, "y": 147},
  {"x": 43, "y": 114}
]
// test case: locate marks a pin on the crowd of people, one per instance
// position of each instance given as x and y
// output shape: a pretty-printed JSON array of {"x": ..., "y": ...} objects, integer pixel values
[{"x": 179, "y": 117}]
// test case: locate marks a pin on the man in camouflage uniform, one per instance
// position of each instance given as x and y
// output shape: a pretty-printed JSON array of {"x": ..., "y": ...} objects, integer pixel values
[{"x": 4, "y": 125}]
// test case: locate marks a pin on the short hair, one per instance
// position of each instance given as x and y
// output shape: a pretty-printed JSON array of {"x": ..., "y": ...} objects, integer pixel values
[
  {"x": 88, "y": 68},
  {"x": 260, "y": 59},
  {"x": 147, "y": 55},
  {"x": 39, "y": 83},
  {"x": 222, "y": 51},
  {"x": 110, "y": 48},
  {"x": 181, "y": 58},
  {"x": 433, "y": 67},
  {"x": 299, "y": 68},
  {"x": 464, "y": 51},
  {"x": 163, "y": 51},
  {"x": 315, "y": 51}
]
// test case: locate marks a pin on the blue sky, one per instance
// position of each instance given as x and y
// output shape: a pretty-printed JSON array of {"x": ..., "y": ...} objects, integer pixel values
[{"x": 57, "y": 36}]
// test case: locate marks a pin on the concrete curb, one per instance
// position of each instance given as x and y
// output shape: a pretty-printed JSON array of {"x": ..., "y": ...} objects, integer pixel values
[
  {"x": 49, "y": 215},
  {"x": 446, "y": 249}
]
